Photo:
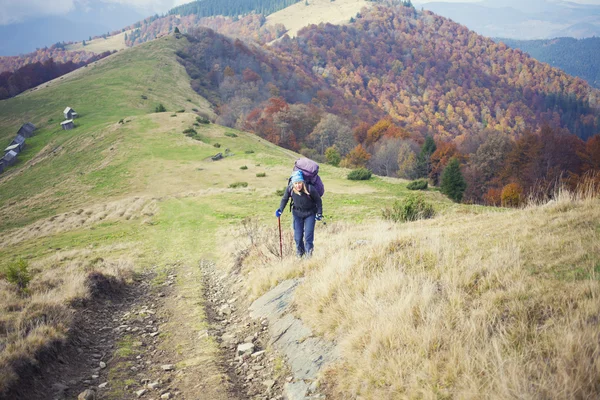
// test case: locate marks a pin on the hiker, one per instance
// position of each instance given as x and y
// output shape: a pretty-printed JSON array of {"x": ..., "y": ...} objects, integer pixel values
[{"x": 307, "y": 208}]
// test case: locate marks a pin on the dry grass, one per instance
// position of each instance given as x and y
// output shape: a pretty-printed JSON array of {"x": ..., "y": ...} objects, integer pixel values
[
  {"x": 299, "y": 15},
  {"x": 125, "y": 209},
  {"x": 496, "y": 305},
  {"x": 40, "y": 318},
  {"x": 100, "y": 45}
]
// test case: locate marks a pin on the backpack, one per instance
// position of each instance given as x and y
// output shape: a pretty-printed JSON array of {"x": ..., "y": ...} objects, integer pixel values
[{"x": 310, "y": 172}]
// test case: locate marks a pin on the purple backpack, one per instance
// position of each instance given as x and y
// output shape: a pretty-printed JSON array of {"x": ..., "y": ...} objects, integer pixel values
[{"x": 310, "y": 171}]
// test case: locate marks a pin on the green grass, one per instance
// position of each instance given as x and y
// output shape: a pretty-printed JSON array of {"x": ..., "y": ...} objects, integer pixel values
[{"x": 147, "y": 155}]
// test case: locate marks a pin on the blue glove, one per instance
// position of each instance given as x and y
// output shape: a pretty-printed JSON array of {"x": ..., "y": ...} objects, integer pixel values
[
  {"x": 318, "y": 217},
  {"x": 278, "y": 213}
]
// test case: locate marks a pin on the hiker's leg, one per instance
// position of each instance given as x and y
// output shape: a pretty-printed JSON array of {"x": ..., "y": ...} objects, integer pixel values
[
  {"x": 309, "y": 233},
  {"x": 299, "y": 235}
]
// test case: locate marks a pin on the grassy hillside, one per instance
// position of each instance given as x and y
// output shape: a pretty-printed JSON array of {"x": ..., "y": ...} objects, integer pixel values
[
  {"x": 128, "y": 191},
  {"x": 301, "y": 14},
  {"x": 100, "y": 45}
]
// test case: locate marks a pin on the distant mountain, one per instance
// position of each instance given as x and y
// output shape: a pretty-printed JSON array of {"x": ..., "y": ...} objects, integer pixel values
[
  {"x": 432, "y": 76},
  {"x": 576, "y": 57},
  {"x": 523, "y": 20},
  {"x": 81, "y": 23}
]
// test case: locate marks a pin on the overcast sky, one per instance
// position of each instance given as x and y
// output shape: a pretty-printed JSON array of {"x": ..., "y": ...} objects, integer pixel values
[{"x": 20, "y": 10}]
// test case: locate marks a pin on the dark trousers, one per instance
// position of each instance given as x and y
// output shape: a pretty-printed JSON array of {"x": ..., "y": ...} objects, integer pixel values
[{"x": 304, "y": 233}]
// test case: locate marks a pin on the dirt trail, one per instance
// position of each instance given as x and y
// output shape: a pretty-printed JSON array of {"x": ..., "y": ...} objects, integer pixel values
[{"x": 173, "y": 334}]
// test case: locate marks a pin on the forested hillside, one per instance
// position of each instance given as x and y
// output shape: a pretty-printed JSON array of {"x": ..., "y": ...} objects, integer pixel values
[
  {"x": 249, "y": 28},
  {"x": 55, "y": 52},
  {"x": 20, "y": 73},
  {"x": 233, "y": 8},
  {"x": 33, "y": 74},
  {"x": 577, "y": 57},
  {"x": 375, "y": 89}
]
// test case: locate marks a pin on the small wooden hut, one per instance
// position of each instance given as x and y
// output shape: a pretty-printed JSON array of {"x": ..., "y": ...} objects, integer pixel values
[
  {"x": 26, "y": 130},
  {"x": 67, "y": 125},
  {"x": 13, "y": 147},
  {"x": 70, "y": 113},
  {"x": 20, "y": 141},
  {"x": 10, "y": 158}
]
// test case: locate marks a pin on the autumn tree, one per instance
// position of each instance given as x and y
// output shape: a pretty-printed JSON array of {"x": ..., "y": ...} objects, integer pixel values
[
  {"x": 357, "y": 158},
  {"x": 332, "y": 155},
  {"x": 329, "y": 131},
  {"x": 407, "y": 160},
  {"x": 360, "y": 132},
  {"x": 512, "y": 195},
  {"x": 440, "y": 158},
  {"x": 591, "y": 155},
  {"x": 384, "y": 160}
]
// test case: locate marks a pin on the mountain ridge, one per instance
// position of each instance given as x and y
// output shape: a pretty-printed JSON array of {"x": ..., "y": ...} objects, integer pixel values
[{"x": 470, "y": 303}]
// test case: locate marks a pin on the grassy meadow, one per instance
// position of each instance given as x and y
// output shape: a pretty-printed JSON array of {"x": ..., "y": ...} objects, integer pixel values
[
  {"x": 100, "y": 45},
  {"x": 474, "y": 303},
  {"x": 304, "y": 13},
  {"x": 128, "y": 191}
]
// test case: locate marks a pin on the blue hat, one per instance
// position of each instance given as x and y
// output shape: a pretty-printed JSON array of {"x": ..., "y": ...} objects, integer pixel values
[{"x": 297, "y": 177}]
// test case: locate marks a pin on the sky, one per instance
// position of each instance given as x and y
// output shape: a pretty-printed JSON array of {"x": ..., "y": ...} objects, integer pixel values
[{"x": 12, "y": 11}]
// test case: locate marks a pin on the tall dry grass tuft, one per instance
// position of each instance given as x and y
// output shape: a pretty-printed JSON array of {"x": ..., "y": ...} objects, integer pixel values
[
  {"x": 40, "y": 319},
  {"x": 494, "y": 305},
  {"x": 587, "y": 188}
]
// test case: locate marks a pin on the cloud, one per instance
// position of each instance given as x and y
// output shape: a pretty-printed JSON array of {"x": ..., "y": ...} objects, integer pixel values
[
  {"x": 18, "y": 10},
  {"x": 12, "y": 11}
]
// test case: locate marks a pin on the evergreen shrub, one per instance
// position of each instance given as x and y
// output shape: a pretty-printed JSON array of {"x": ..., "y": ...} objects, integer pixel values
[
  {"x": 419, "y": 184},
  {"x": 18, "y": 274},
  {"x": 360, "y": 174},
  {"x": 411, "y": 208}
]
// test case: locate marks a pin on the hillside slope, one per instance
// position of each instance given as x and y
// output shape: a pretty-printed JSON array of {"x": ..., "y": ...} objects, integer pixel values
[
  {"x": 127, "y": 195},
  {"x": 476, "y": 302},
  {"x": 575, "y": 57}
]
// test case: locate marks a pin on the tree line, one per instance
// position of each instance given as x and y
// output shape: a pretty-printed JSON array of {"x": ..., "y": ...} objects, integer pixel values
[
  {"x": 34, "y": 74},
  {"x": 232, "y": 8}
]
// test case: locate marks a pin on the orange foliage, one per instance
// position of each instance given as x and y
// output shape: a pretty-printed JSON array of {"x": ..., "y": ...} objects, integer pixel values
[
  {"x": 357, "y": 158},
  {"x": 440, "y": 158},
  {"x": 493, "y": 197},
  {"x": 384, "y": 128},
  {"x": 360, "y": 132},
  {"x": 512, "y": 195}
]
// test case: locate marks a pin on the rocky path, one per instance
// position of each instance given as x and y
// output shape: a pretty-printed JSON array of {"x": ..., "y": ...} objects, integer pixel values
[
  {"x": 180, "y": 332},
  {"x": 254, "y": 369}
]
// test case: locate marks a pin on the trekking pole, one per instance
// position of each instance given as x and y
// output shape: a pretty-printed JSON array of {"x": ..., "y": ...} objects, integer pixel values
[{"x": 280, "y": 240}]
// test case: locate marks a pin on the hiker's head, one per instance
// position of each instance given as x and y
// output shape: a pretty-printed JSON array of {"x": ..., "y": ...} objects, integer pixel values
[
  {"x": 298, "y": 180},
  {"x": 297, "y": 177}
]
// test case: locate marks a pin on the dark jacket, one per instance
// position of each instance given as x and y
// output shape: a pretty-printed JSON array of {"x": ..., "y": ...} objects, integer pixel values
[{"x": 303, "y": 205}]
